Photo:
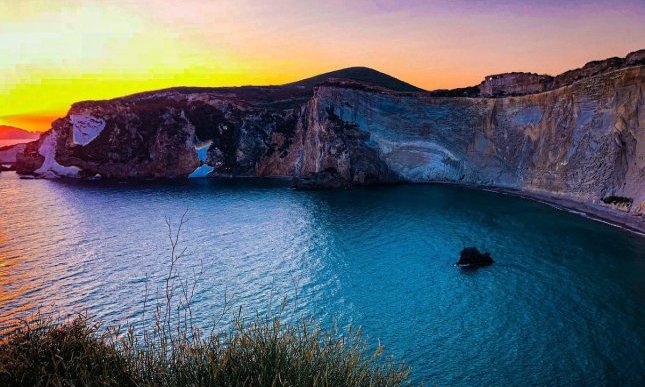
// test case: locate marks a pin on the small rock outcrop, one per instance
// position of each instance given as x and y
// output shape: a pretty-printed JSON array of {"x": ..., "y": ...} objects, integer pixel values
[
  {"x": 519, "y": 83},
  {"x": 470, "y": 257},
  {"x": 9, "y": 153},
  {"x": 500, "y": 85}
]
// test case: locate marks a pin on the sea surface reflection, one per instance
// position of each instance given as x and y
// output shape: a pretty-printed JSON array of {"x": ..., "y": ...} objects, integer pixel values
[{"x": 562, "y": 305}]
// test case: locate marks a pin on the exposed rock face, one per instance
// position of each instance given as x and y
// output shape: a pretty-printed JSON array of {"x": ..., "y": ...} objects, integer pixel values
[
  {"x": 584, "y": 141},
  {"x": 598, "y": 67},
  {"x": 335, "y": 151},
  {"x": 30, "y": 160},
  {"x": 161, "y": 135},
  {"x": 514, "y": 84},
  {"x": 85, "y": 128}
]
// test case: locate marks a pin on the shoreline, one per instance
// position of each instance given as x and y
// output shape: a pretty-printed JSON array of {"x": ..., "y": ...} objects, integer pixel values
[{"x": 596, "y": 213}]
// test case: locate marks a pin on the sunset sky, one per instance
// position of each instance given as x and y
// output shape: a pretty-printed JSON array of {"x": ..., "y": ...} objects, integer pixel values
[{"x": 56, "y": 52}]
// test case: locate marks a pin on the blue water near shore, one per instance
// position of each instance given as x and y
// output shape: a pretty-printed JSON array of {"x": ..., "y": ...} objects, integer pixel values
[{"x": 562, "y": 305}]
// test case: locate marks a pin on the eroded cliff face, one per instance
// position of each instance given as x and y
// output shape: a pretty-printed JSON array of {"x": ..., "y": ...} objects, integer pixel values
[
  {"x": 166, "y": 134},
  {"x": 584, "y": 141}
]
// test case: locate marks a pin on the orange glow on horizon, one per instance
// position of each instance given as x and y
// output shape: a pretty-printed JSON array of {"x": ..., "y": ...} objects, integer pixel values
[
  {"x": 33, "y": 122},
  {"x": 55, "y": 55}
]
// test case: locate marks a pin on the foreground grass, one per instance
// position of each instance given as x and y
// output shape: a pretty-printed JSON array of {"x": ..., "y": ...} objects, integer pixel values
[{"x": 263, "y": 353}]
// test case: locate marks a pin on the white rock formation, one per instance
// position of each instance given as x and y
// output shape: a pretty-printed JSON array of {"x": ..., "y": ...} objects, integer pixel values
[
  {"x": 50, "y": 168},
  {"x": 201, "y": 171},
  {"x": 86, "y": 128},
  {"x": 204, "y": 169}
]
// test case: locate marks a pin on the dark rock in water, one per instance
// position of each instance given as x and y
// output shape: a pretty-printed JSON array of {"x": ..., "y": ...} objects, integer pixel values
[{"x": 471, "y": 257}]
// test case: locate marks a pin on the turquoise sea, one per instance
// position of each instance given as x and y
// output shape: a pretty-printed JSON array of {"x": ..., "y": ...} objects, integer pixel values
[{"x": 562, "y": 305}]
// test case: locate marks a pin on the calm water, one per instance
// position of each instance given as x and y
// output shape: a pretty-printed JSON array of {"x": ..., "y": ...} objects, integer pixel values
[{"x": 563, "y": 305}]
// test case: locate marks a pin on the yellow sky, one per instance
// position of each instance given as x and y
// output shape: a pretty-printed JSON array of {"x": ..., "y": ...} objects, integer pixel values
[{"x": 53, "y": 53}]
